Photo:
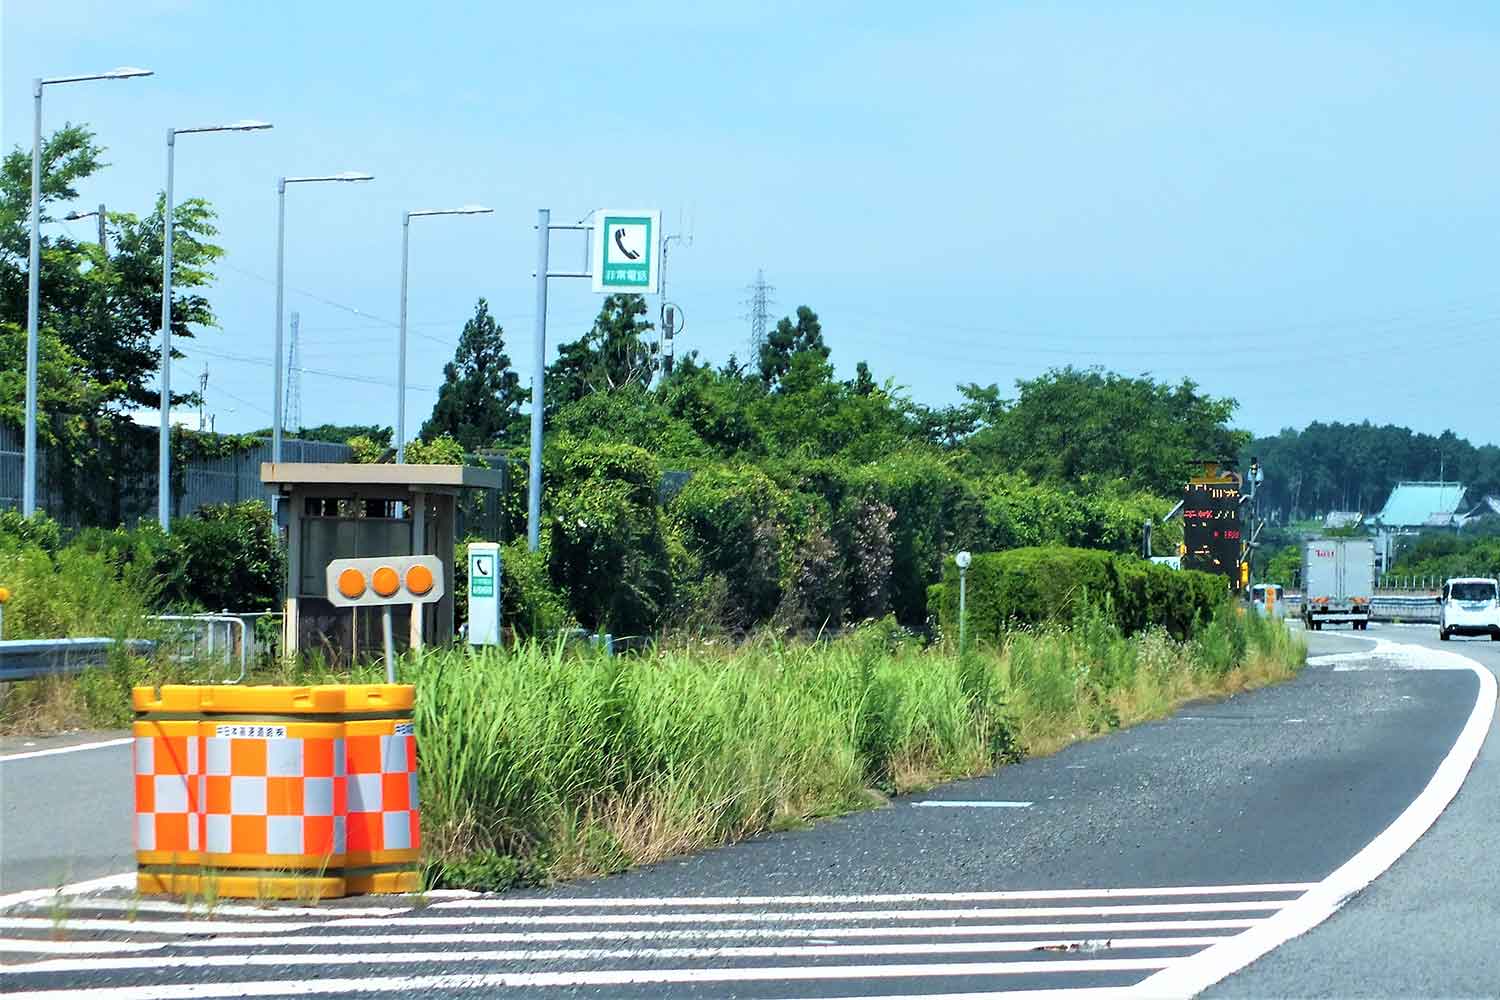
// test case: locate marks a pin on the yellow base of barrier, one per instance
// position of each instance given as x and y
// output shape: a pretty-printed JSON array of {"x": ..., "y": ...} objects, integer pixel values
[
  {"x": 384, "y": 883},
  {"x": 212, "y": 885}
]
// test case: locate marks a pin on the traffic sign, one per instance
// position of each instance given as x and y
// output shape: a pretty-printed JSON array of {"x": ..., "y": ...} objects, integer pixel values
[
  {"x": 384, "y": 580},
  {"x": 484, "y": 594},
  {"x": 627, "y": 251}
]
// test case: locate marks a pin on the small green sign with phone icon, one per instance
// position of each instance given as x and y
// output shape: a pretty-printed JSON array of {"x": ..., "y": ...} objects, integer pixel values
[{"x": 626, "y": 251}]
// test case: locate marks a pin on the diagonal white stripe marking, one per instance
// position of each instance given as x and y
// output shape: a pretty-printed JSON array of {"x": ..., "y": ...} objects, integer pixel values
[
  {"x": 605, "y": 977},
  {"x": 47, "y": 924},
  {"x": 969, "y": 913},
  {"x": 54, "y": 751},
  {"x": 1165, "y": 891},
  {"x": 124, "y": 880},
  {"x": 21, "y": 946},
  {"x": 272, "y": 910},
  {"x": 723, "y": 933},
  {"x": 326, "y": 958}
]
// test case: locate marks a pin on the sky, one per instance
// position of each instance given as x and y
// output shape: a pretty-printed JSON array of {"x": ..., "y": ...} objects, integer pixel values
[{"x": 1294, "y": 205}]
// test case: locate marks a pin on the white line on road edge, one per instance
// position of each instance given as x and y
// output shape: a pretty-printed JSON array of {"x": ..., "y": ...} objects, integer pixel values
[
  {"x": 187, "y": 927},
  {"x": 974, "y": 804},
  {"x": 124, "y": 880},
  {"x": 1191, "y": 976},
  {"x": 101, "y": 745},
  {"x": 602, "y": 977},
  {"x": 1079, "y": 993},
  {"x": 546, "y": 902},
  {"x": 324, "y": 958}
]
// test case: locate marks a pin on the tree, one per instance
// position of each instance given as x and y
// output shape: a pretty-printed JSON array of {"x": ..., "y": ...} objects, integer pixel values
[
  {"x": 1074, "y": 426},
  {"x": 787, "y": 341},
  {"x": 479, "y": 402},
  {"x": 105, "y": 309},
  {"x": 614, "y": 354}
]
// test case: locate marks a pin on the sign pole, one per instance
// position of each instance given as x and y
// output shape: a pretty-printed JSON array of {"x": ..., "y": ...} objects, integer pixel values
[
  {"x": 538, "y": 384},
  {"x": 390, "y": 644}
]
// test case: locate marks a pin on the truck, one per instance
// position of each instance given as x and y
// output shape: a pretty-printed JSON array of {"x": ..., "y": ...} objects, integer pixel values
[{"x": 1338, "y": 580}]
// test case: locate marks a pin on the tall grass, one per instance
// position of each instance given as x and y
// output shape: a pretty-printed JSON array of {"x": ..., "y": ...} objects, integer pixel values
[{"x": 537, "y": 763}]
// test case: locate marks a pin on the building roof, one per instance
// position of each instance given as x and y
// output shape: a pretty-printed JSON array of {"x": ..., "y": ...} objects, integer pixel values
[
  {"x": 1417, "y": 504},
  {"x": 412, "y": 477}
]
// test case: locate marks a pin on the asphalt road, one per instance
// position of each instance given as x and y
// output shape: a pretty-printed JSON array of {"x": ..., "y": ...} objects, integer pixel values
[
  {"x": 64, "y": 816},
  {"x": 1430, "y": 926},
  {"x": 1092, "y": 870}
]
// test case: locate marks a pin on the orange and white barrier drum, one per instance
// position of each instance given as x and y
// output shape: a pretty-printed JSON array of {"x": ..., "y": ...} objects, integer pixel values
[
  {"x": 166, "y": 766},
  {"x": 385, "y": 835},
  {"x": 263, "y": 793}
]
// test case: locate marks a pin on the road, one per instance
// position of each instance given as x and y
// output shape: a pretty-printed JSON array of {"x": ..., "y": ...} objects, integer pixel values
[
  {"x": 1132, "y": 861},
  {"x": 65, "y": 813}
]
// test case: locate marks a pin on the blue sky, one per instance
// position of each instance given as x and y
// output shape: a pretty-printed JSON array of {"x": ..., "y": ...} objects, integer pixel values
[{"x": 1293, "y": 205}]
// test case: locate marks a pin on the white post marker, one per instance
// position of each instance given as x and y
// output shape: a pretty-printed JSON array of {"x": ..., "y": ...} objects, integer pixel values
[{"x": 484, "y": 594}]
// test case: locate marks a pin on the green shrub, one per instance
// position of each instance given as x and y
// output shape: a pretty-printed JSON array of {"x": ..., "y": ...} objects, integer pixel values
[
  {"x": 1032, "y": 586},
  {"x": 38, "y": 530},
  {"x": 732, "y": 521},
  {"x": 528, "y": 602},
  {"x": 608, "y": 551},
  {"x": 226, "y": 556}
]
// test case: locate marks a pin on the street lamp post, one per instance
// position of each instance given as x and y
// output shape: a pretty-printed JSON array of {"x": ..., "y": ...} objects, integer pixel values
[
  {"x": 103, "y": 225},
  {"x": 963, "y": 559},
  {"x": 34, "y": 268},
  {"x": 164, "y": 457},
  {"x": 347, "y": 176},
  {"x": 401, "y": 349}
]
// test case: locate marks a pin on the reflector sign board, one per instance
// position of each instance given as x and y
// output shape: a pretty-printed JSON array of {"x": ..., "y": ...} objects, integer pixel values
[
  {"x": 367, "y": 583},
  {"x": 627, "y": 250}
]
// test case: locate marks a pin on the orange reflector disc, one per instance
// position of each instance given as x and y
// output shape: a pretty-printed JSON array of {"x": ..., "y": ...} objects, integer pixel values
[
  {"x": 385, "y": 581},
  {"x": 419, "y": 580},
  {"x": 351, "y": 583}
]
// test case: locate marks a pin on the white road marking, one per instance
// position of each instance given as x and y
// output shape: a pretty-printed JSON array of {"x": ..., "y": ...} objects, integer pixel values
[
  {"x": 968, "y": 913},
  {"x": 1190, "y": 976},
  {"x": 1079, "y": 993},
  {"x": 77, "y": 748},
  {"x": 1165, "y": 891},
  {"x": 748, "y": 933},
  {"x": 602, "y": 977},
  {"x": 973, "y": 805},
  {"x": 209, "y": 926},
  {"x": 132, "y": 906},
  {"x": 323, "y": 957},
  {"x": 124, "y": 880}
]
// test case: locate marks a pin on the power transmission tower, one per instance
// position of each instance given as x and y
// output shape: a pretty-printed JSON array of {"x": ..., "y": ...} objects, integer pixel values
[
  {"x": 759, "y": 304},
  {"x": 291, "y": 420}
]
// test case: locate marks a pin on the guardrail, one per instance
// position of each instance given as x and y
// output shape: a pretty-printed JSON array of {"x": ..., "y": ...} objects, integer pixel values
[
  {"x": 203, "y": 632},
  {"x": 24, "y": 659}
]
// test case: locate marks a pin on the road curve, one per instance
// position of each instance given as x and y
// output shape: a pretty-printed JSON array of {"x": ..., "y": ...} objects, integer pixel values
[{"x": 1137, "y": 863}]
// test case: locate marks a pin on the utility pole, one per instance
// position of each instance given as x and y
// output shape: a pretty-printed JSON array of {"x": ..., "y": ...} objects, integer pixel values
[
  {"x": 202, "y": 392},
  {"x": 292, "y": 418},
  {"x": 668, "y": 325}
]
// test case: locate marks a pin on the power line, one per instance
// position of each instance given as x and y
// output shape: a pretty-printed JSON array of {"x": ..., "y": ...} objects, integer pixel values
[{"x": 324, "y": 373}]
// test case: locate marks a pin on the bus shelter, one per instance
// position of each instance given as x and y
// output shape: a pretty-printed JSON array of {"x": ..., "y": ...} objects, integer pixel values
[{"x": 329, "y": 511}]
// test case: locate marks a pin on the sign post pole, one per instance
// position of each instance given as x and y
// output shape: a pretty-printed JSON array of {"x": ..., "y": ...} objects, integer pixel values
[{"x": 390, "y": 644}]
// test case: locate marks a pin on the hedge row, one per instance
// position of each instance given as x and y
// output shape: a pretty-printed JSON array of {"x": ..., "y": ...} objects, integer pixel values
[{"x": 1033, "y": 586}]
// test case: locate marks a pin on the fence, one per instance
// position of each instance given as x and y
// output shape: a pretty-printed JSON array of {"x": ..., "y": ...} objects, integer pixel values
[{"x": 204, "y": 480}]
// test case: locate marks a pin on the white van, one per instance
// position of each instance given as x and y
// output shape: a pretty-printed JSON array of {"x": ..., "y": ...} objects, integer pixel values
[{"x": 1471, "y": 606}]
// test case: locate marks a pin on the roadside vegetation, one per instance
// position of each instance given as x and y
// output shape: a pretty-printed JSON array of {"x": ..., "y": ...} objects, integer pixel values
[{"x": 538, "y": 764}]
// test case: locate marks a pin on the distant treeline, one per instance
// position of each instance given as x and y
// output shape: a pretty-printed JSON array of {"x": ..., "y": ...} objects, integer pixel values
[{"x": 1354, "y": 466}]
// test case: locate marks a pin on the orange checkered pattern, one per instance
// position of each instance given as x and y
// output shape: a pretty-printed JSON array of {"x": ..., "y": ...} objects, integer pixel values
[
  {"x": 383, "y": 812},
  {"x": 166, "y": 801},
  {"x": 273, "y": 795}
]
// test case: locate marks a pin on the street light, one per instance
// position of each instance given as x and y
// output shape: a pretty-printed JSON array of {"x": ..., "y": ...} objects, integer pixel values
[
  {"x": 401, "y": 350},
  {"x": 347, "y": 176},
  {"x": 76, "y": 216},
  {"x": 34, "y": 267},
  {"x": 164, "y": 458}
]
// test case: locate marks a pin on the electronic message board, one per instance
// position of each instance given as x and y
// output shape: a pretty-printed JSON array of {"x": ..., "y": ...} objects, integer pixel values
[{"x": 1211, "y": 528}]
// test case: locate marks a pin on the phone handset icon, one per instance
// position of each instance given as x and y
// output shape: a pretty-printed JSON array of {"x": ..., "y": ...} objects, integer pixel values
[{"x": 620, "y": 242}]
